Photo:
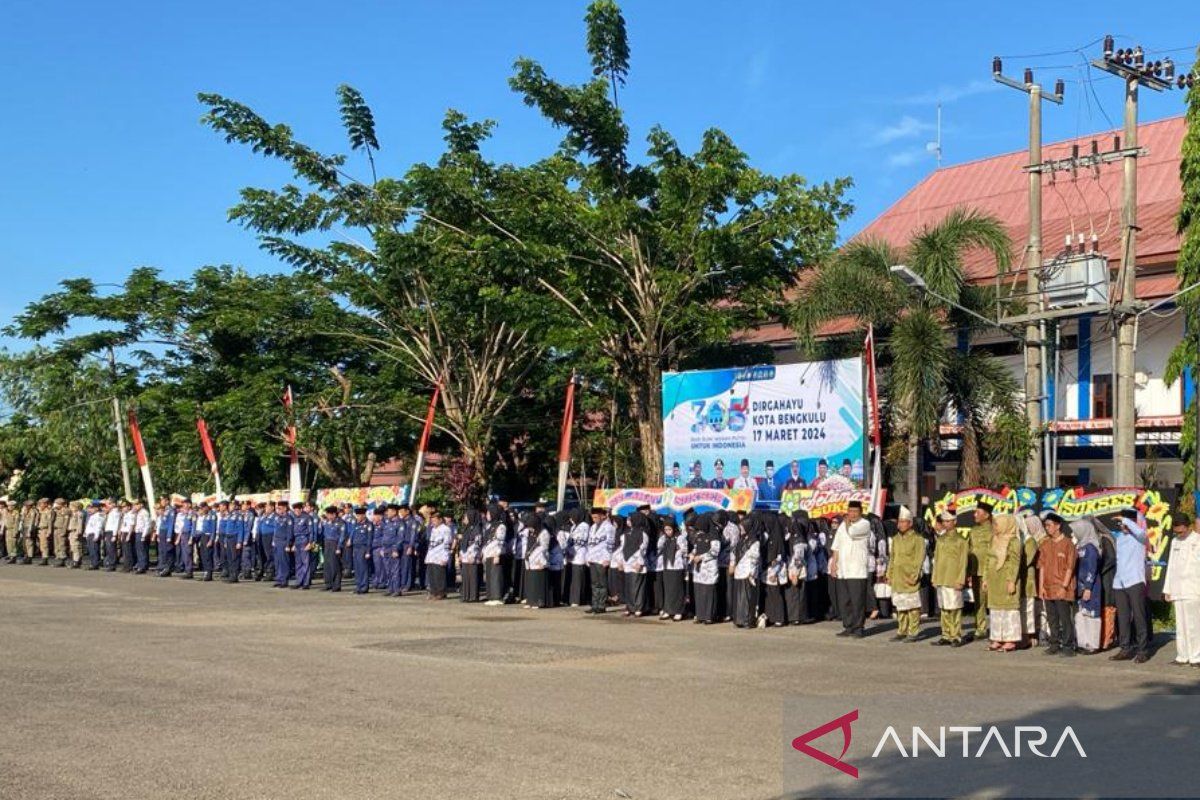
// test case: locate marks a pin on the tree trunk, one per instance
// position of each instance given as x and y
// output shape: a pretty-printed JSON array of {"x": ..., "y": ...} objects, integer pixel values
[
  {"x": 971, "y": 469},
  {"x": 914, "y": 474},
  {"x": 646, "y": 406}
]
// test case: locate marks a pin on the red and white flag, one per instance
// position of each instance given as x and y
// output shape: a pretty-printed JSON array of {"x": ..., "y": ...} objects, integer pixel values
[
  {"x": 294, "y": 488},
  {"x": 139, "y": 448},
  {"x": 423, "y": 446},
  {"x": 210, "y": 454},
  {"x": 564, "y": 443}
]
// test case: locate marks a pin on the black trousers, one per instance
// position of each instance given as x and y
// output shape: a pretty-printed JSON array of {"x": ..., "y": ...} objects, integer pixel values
[
  {"x": 1133, "y": 622},
  {"x": 635, "y": 592},
  {"x": 436, "y": 575},
  {"x": 93, "y": 548},
  {"x": 835, "y": 600},
  {"x": 127, "y": 554},
  {"x": 794, "y": 598},
  {"x": 706, "y": 601},
  {"x": 816, "y": 598},
  {"x": 773, "y": 603},
  {"x": 673, "y": 584},
  {"x": 110, "y": 551},
  {"x": 535, "y": 588},
  {"x": 852, "y": 594},
  {"x": 745, "y": 602},
  {"x": 470, "y": 583},
  {"x": 577, "y": 591},
  {"x": 599, "y": 576},
  {"x": 1060, "y": 617},
  {"x": 495, "y": 579},
  {"x": 333, "y": 566}
]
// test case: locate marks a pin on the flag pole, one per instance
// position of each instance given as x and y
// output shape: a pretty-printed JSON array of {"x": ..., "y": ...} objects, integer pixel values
[
  {"x": 210, "y": 454},
  {"x": 876, "y": 435},
  {"x": 424, "y": 443},
  {"x": 139, "y": 448},
  {"x": 294, "y": 488},
  {"x": 564, "y": 443}
]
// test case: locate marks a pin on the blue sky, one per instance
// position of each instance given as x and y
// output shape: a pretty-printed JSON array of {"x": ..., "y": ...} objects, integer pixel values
[{"x": 106, "y": 166}]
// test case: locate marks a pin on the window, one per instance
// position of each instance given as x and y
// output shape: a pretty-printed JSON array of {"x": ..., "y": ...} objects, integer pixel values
[{"x": 1102, "y": 397}]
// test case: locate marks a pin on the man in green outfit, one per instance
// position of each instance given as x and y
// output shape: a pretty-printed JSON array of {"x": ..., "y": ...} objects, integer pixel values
[
  {"x": 904, "y": 576},
  {"x": 980, "y": 538},
  {"x": 949, "y": 576}
]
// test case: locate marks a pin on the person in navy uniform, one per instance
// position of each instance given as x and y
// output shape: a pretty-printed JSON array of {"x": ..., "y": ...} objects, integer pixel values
[
  {"x": 410, "y": 539},
  {"x": 332, "y": 533},
  {"x": 166, "y": 534},
  {"x": 362, "y": 536},
  {"x": 185, "y": 526},
  {"x": 249, "y": 537},
  {"x": 264, "y": 543},
  {"x": 283, "y": 539},
  {"x": 227, "y": 534},
  {"x": 206, "y": 528},
  {"x": 303, "y": 536},
  {"x": 697, "y": 480},
  {"x": 718, "y": 481}
]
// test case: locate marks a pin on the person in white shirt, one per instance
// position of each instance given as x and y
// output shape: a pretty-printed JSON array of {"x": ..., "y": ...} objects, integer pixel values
[
  {"x": 93, "y": 532},
  {"x": 849, "y": 566},
  {"x": 142, "y": 530},
  {"x": 1181, "y": 588},
  {"x": 112, "y": 532},
  {"x": 743, "y": 480},
  {"x": 601, "y": 536},
  {"x": 437, "y": 555},
  {"x": 128, "y": 520},
  {"x": 577, "y": 584}
]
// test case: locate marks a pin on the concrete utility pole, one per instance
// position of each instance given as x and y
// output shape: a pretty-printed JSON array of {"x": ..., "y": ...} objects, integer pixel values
[
  {"x": 1131, "y": 65},
  {"x": 120, "y": 426},
  {"x": 1034, "y": 391}
]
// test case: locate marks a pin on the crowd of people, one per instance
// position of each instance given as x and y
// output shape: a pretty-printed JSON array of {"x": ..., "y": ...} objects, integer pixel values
[{"x": 1071, "y": 587}]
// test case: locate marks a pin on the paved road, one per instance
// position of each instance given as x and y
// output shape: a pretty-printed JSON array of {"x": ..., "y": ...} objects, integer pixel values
[{"x": 122, "y": 686}]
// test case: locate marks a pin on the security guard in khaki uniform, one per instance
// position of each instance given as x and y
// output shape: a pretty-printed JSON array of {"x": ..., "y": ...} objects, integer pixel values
[
  {"x": 980, "y": 538},
  {"x": 8, "y": 521},
  {"x": 58, "y": 527},
  {"x": 45, "y": 529},
  {"x": 27, "y": 532}
]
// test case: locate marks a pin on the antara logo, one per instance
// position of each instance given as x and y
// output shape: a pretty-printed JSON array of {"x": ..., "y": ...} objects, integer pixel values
[{"x": 1024, "y": 739}]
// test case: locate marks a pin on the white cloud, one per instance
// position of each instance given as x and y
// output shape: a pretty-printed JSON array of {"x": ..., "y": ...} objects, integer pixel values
[
  {"x": 948, "y": 94},
  {"x": 906, "y": 158},
  {"x": 905, "y": 128}
]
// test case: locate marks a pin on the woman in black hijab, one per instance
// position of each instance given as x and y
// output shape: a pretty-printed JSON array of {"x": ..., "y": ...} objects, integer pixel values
[
  {"x": 493, "y": 552},
  {"x": 796, "y": 560},
  {"x": 775, "y": 570},
  {"x": 470, "y": 548},
  {"x": 578, "y": 585},
  {"x": 633, "y": 550},
  {"x": 744, "y": 569},
  {"x": 706, "y": 570},
  {"x": 673, "y": 554},
  {"x": 537, "y": 544},
  {"x": 616, "y": 564}
]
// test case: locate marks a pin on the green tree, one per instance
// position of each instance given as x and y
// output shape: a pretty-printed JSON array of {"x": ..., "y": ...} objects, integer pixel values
[
  {"x": 1186, "y": 355},
  {"x": 661, "y": 258},
  {"x": 924, "y": 378}
]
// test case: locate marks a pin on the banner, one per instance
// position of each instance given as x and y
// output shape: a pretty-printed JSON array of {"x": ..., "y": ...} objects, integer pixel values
[
  {"x": 271, "y": 497},
  {"x": 369, "y": 496},
  {"x": 674, "y": 501},
  {"x": 1105, "y": 504},
  {"x": 767, "y": 428},
  {"x": 828, "y": 503}
]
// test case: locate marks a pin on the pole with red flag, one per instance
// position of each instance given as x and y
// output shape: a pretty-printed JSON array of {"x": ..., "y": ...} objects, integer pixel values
[
  {"x": 135, "y": 433},
  {"x": 294, "y": 490},
  {"x": 210, "y": 454},
  {"x": 424, "y": 444},
  {"x": 876, "y": 436},
  {"x": 564, "y": 442}
]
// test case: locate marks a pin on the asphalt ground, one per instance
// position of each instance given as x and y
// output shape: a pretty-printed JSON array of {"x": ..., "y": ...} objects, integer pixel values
[{"x": 115, "y": 685}]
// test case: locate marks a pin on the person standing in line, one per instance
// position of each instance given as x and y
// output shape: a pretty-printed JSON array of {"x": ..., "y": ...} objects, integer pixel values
[
  {"x": 731, "y": 531},
  {"x": 1033, "y": 607},
  {"x": 27, "y": 531},
  {"x": 185, "y": 524},
  {"x": 518, "y": 544},
  {"x": 388, "y": 549},
  {"x": 143, "y": 529},
  {"x": 616, "y": 563},
  {"x": 600, "y": 538},
  {"x": 93, "y": 532},
  {"x": 849, "y": 567},
  {"x": 537, "y": 549},
  {"x": 1133, "y": 622},
  {"x": 59, "y": 519},
  {"x": 1087, "y": 587},
  {"x": 166, "y": 540},
  {"x": 127, "y": 536},
  {"x": 264, "y": 543},
  {"x": 437, "y": 554},
  {"x": 75, "y": 534},
  {"x": 673, "y": 550},
  {"x": 249, "y": 533},
  {"x": 411, "y": 531},
  {"x": 303, "y": 538},
  {"x": 775, "y": 580},
  {"x": 226, "y": 540},
  {"x": 706, "y": 566},
  {"x": 206, "y": 539},
  {"x": 362, "y": 541},
  {"x": 907, "y": 555},
  {"x": 112, "y": 534},
  {"x": 470, "y": 551},
  {"x": 745, "y": 561},
  {"x": 11, "y": 520},
  {"x": 1181, "y": 588},
  {"x": 1001, "y": 586},
  {"x": 577, "y": 582},
  {"x": 980, "y": 538},
  {"x": 816, "y": 568},
  {"x": 45, "y": 528},
  {"x": 796, "y": 563},
  {"x": 493, "y": 549},
  {"x": 950, "y": 554},
  {"x": 634, "y": 549},
  {"x": 1056, "y": 584},
  {"x": 1108, "y": 574},
  {"x": 332, "y": 533},
  {"x": 284, "y": 525},
  {"x": 555, "y": 562}
]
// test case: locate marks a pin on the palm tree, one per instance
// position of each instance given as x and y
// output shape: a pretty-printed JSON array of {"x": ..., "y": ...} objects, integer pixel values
[{"x": 923, "y": 377}]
